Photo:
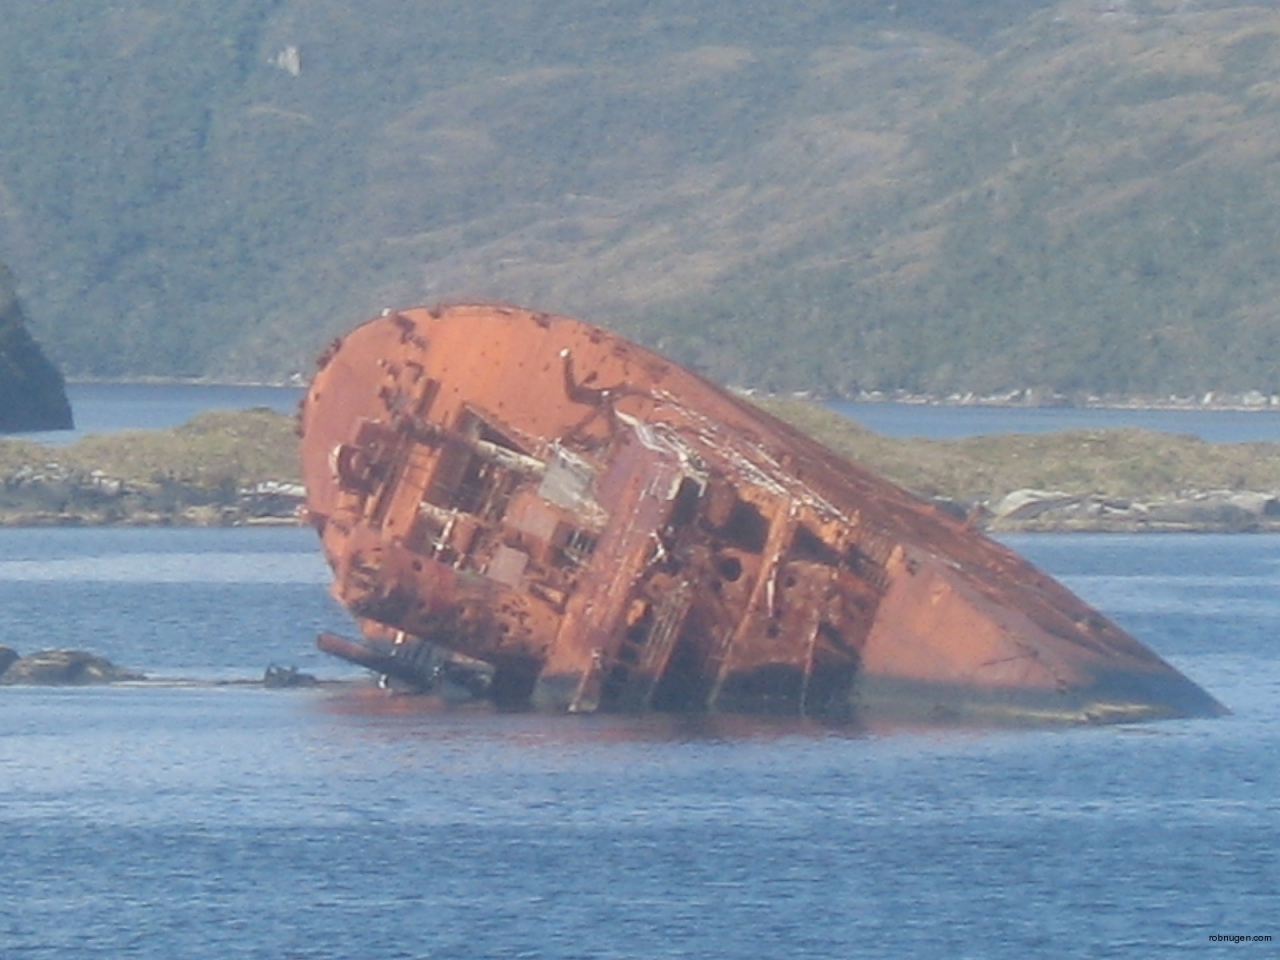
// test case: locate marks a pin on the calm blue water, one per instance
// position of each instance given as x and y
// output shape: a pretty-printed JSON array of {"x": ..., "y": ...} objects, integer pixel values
[
  {"x": 235, "y": 822},
  {"x": 948, "y": 423},
  {"x": 111, "y": 407},
  {"x": 108, "y": 407}
]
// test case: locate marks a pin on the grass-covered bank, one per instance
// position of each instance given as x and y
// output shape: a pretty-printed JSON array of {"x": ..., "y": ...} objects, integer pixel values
[
  {"x": 1119, "y": 463},
  {"x": 1116, "y": 479},
  {"x": 242, "y": 467},
  {"x": 220, "y": 468}
]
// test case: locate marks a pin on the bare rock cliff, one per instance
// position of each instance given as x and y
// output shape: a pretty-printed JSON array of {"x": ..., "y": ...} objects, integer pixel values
[{"x": 32, "y": 393}]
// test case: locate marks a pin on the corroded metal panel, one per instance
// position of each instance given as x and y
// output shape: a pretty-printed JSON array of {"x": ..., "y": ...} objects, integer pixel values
[{"x": 607, "y": 531}]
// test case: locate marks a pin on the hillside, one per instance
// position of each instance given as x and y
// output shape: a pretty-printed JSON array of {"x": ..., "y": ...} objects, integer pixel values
[{"x": 936, "y": 196}]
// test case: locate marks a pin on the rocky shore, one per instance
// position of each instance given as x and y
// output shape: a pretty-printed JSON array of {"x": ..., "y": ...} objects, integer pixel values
[
  {"x": 240, "y": 468},
  {"x": 98, "y": 500},
  {"x": 1214, "y": 511},
  {"x": 220, "y": 469},
  {"x": 60, "y": 667},
  {"x": 1122, "y": 480},
  {"x": 58, "y": 497}
]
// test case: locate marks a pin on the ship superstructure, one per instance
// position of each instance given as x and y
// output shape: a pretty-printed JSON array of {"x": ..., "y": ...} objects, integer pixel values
[{"x": 578, "y": 524}]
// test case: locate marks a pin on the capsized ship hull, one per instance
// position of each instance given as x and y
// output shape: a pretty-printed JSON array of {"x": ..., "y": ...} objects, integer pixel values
[{"x": 592, "y": 527}]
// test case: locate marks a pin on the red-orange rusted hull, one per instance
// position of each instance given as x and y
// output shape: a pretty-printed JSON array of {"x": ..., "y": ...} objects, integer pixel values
[{"x": 611, "y": 532}]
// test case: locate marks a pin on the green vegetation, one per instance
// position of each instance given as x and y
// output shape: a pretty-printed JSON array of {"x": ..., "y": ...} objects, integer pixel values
[
  {"x": 209, "y": 470},
  {"x": 205, "y": 472},
  {"x": 928, "y": 195},
  {"x": 1125, "y": 463},
  {"x": 239, "y": 447},
  {"x": 213, "y": 448}
]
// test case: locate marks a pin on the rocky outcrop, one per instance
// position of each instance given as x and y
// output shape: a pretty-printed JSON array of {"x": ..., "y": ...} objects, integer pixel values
[
  {"x": 1022, "y": 505},
  {"x": 53, "y": 495},
  {"x": 33, "y": 395},
  {"x": 62, "y": 667},
  {"x": 1212, "y": 511}
]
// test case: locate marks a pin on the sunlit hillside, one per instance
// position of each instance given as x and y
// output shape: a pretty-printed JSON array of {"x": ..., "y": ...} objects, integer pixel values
[{"x": 836, "y": 196}]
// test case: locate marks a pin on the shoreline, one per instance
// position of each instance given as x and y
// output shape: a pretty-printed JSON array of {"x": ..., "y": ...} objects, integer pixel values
[
  {"x": 1249, "y": 401},
  {"x": 1213, "y": 401},
  {"x": 297, "y": 382},
  {"x": 1034, "y": 512},
  {"x": 240, "y": 468}
]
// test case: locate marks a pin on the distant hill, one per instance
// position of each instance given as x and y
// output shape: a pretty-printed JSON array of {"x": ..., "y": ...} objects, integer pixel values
[{"x": 933, "y": 195}]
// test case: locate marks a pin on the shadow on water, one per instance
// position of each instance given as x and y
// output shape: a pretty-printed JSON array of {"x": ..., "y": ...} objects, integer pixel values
[
  {"x": 380, "y": 715},
  {"x": 376, "y": 710}
]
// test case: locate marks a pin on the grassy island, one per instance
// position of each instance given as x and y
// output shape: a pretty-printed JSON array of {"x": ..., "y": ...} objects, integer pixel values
[
  {"x": 239, "y": 467},
  {"x": 220, "y": 468}
]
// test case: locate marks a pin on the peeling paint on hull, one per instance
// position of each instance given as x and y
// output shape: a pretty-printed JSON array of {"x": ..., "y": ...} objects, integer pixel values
[{"x": 587, "y": 526}]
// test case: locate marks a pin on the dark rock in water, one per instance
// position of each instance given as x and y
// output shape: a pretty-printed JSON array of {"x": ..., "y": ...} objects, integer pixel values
[
  {"x": 65, "y": 667},
  {"x": 284, "y": 677},
  {"x": 33, "y": 395},
  {"x": 7, "y": 658}
]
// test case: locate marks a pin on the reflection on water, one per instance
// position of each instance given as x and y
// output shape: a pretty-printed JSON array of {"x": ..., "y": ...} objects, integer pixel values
[{"x": 388, "y": 714}]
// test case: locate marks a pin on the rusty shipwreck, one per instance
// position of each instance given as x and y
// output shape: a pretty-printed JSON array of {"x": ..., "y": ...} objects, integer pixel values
[{"x": 563, "y": 520}]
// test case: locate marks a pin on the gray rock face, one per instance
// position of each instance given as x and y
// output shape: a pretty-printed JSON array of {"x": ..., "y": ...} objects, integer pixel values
[
  {"x": 1218, "y": 511},
  {"x": 1029, "y": 504},
  {"x": 33, "y": 395}
]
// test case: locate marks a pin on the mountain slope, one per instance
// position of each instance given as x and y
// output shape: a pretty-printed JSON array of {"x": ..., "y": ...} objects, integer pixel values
[{"x": 1076, "y": 196}]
